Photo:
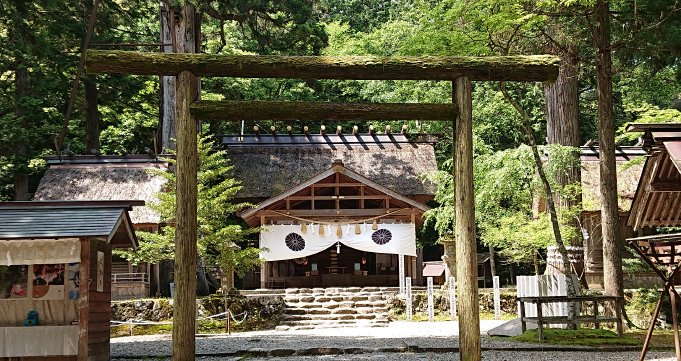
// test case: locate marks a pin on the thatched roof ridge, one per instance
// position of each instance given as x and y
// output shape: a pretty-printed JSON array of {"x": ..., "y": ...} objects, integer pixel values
[
  {"x": 265, "y": 172},
  {"x": 103, "y": 183}
]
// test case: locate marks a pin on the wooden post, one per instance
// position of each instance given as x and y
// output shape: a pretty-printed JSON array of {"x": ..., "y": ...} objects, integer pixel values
[
  {"x": 523, "y": 325},
  {"x": 466, "y": 254},
  {"x": 619, "y": 306},
  {"x": 675, "y": 320},
  {"x": 540, "y": 324},
  {"x": 84, "y": 300},
  {"x": 597, "y": 325},
  {"x": 656, "y": 313},
  {"x": 185, "y": 232}
]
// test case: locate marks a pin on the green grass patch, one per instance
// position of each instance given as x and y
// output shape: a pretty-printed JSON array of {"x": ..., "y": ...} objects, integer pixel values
[
  {"x": 661, "y": 338},
  {"x": 581, "y": 337}
]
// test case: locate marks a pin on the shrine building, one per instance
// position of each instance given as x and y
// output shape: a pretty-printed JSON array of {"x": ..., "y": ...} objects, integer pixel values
[{"x": 337, "y": 210}]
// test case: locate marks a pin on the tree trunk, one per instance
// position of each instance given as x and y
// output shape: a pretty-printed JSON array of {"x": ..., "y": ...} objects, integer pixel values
[
  {"x": 186, "y": 39},
  {"x": 562, "y": 127},
  {"x": 612, "y": 261},
  {"x": 91, "y": 115},
  {"x": 466, "y": 250},
  {"x": 20, "y": 91},
  {"x": 186, "y": 92},
  {"x": 259, "y": 110},
  {"x": 492, "y": 261},
  {"x": 571, "y": 286},
  {"x": 488, "y": 68},
  {"x": 167, "y": 88}
]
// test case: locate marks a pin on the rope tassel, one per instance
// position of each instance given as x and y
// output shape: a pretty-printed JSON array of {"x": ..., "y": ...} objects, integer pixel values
[
  {"x": 357, "y": 230},
  {"x": 303, "y": 228},
  {"x": 339, "y": 231},
  {"x": 321, "y": 230},
  {"x": 374, "y": 226}
]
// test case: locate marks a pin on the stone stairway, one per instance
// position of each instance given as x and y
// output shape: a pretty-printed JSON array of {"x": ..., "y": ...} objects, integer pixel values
[{"x": 319, "y": 308}]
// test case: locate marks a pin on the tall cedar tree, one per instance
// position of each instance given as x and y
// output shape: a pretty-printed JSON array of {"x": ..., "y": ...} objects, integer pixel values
[{"x": 221, "y": 237}]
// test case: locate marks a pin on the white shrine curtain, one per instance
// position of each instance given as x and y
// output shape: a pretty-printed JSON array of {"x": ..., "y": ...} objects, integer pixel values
[
  {"x": 289, "y": 242},
  {"x": 20, "y": 252}
]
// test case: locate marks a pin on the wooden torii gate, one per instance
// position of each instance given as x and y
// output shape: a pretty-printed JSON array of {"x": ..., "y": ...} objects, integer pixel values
[{"x": 460, "y": 70}]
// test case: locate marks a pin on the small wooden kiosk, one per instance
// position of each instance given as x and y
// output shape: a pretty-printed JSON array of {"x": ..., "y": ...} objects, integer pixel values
[{"x": 46, "y": 248}]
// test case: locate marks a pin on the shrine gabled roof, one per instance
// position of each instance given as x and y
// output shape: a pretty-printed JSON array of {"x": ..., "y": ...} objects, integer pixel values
[
  {"x": 346, "y": 173},
  {"x": 274, "y": 164}
]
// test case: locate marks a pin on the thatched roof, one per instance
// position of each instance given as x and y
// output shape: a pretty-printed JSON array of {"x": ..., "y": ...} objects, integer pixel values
[
  {"x": 265, "y": 172},
  {"x": 628, "y": 175},
  {"x": 102, "y": 182}
]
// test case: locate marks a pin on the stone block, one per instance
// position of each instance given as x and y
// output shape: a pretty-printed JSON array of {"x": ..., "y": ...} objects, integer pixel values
[
  {"x": 331, "y": 305},
  {"x": 281, "y": 352},
  {"x": 322, "y": 299},
  {"x": 344, "y": 311},
  {"x": 365, "y": 310},
  {"x": 318, "y": 311},
  {"x": 292, "y": 290},
  {"x": 306, "y": 299},
  {"x": 370, "y": 289}
]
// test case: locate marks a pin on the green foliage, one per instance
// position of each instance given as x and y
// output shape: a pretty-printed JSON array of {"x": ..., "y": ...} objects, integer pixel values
[
  {"x": 218, "y": 231},
  {"x": 506, "y": 186}
]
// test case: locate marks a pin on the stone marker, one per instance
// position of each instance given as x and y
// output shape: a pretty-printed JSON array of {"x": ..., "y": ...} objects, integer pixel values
[
  {"x": 408, "y": 299},
  {"x": 497, "y": 298},
  {"x": 431, "y": 316},
  {"x": 452, "y": 298}
]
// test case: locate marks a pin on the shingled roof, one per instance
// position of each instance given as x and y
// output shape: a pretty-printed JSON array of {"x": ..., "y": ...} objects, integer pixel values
[
  {"x": 266, "y": 171},
  {"x": 104, "y": 182}
]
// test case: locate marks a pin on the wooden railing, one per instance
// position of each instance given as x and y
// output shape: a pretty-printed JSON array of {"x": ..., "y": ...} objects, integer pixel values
[
  {"x": 129, "y": 277},
  {"x": 542, "y": 320}
]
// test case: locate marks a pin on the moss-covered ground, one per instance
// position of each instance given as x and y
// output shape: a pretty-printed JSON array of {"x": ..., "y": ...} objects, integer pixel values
[{"x": 580, "y": 337}]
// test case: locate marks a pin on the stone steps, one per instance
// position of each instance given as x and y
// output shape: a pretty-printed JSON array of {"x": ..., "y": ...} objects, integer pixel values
[{"x": 335, "y": 307}]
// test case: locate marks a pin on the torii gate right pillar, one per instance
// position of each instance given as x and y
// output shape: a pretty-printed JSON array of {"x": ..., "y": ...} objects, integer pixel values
[{"x": 466, "y": 252}]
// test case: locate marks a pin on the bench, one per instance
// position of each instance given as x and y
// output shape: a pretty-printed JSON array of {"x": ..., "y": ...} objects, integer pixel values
[{"x": 540, "y": 320}]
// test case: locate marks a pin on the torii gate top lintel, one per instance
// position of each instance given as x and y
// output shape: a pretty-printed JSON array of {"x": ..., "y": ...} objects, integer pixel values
[{"x": 543, "y": 68}]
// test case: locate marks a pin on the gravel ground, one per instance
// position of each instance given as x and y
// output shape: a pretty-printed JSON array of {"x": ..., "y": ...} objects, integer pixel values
[
  {"x": 423, "y": 334},
  {"x": 492, "y": 355}
]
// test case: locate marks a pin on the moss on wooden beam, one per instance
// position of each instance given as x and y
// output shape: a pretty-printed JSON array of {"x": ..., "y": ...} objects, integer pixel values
[
  {"x": 268, "y": 110},
  {"x": 490, "y": 68}
]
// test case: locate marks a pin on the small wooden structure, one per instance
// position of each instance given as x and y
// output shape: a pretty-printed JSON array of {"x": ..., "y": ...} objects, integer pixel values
[
  {"x": 114, "y": 177},
  {"x": 541, "y": 320},
  {"x": 662, "y": 250},
  {"x": 658, "y": 204},
  {"x": 56, "y": 260}
]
